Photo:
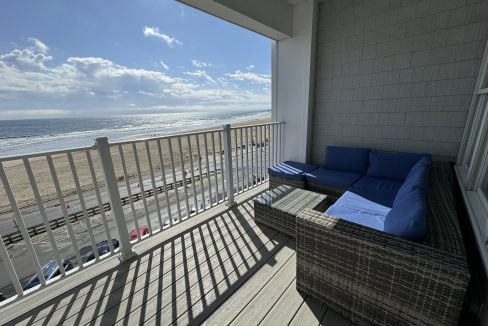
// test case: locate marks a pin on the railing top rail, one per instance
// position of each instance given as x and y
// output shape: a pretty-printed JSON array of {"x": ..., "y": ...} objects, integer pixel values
[
  {"x": 258, "y": 124},
  {"x": 185, "y": 134},
  {"x": 145, "y": 139},
  {"x": 39, "y": 154}
]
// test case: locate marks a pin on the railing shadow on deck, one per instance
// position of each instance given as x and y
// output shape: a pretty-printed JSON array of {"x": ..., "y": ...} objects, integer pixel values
[{"x": 185, "y": 277}]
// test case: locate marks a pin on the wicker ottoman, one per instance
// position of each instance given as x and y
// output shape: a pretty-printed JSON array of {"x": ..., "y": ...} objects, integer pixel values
[{"x": 279, "y": 207}]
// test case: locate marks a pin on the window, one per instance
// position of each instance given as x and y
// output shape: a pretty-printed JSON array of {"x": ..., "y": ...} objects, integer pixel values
[
  {"x": 472, "y": 168},
  {"x": 472, "y": 150},
  {"x": 484, "y": 185}
]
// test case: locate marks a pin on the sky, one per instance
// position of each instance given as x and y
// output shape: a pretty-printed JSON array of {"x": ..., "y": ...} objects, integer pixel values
[{"x": 69, "y": 58}]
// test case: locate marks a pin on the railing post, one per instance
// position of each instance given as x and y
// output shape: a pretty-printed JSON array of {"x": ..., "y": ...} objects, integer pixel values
[
  {"x": 103, "y": 148},
  {"x": 228, "y": 165}
]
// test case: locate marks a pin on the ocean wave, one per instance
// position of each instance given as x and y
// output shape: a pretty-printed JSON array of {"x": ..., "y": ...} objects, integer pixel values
[{"x": 21, "y": 136}]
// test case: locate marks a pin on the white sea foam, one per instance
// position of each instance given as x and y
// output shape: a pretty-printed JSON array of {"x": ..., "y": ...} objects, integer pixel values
[{"x": 25, "y": 136}]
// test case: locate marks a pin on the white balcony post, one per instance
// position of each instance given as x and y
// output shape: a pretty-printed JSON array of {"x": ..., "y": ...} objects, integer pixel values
[
  {"x": 228, "y": 165},
  {"x": 114, "y": 196}
]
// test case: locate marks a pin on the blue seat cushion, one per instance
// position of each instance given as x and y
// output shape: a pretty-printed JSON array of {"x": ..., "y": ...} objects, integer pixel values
[
  {"x": 408, "y": 217},
  {"x": 291, "y": 170},
  {"x": 357, "y": 209},
  {"x": 391, "y": 165},
  {"x": 332, "y": 178},
  {"x": 347, "y": 159},
  {"x": 378, "y": 190},
  {"x": 418, "y": 177}
]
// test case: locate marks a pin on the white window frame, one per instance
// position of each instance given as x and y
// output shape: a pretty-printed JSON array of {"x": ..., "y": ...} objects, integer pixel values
[{"x": 471, "y": 176}]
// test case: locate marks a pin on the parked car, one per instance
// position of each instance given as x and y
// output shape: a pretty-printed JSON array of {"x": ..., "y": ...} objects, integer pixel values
[
  {"x": 50, "y": 270},
  {"x": 87, "y": 254},
  {"x": 143, "y": 230}
]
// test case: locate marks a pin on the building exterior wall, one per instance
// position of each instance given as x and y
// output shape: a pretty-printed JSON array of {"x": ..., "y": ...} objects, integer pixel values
[
  {"x": 293, "y": 67},
  {"x": 396, "y": 75}
]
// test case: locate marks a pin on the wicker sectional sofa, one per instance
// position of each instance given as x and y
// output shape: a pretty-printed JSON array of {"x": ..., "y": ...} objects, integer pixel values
[{"x": 377, "y": 277}]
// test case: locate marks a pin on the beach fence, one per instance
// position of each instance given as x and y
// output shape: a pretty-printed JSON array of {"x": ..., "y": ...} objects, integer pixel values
[{"x": 112, "y": 189}]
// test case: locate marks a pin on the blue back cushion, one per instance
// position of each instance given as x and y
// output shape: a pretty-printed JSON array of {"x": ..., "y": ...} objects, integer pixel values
[
  {"x": 408, "y": 217},
  {"x": 391, "y": 165},
  {"x": 349, "y": 159},
  {"x": 418, "y": 177}
]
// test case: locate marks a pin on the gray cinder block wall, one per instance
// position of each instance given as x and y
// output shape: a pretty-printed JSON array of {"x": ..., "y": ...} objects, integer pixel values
[{"x": 396, "y": 75}]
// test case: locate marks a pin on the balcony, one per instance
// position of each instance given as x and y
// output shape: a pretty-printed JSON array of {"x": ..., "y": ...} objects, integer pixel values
[
  {"x": 218, "y": 267},
  {"x": 409, "y": 76},
  {"x": 72, "y": 210}
]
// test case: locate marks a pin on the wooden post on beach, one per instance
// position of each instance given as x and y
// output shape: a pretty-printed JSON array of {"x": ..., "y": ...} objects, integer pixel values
[
  {"x": 228, "y": 165},
  {"x": 103, "y": 148}
]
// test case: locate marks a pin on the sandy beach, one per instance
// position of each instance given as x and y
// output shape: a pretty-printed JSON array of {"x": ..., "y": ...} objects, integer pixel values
[{"x": 23, "y": 192}]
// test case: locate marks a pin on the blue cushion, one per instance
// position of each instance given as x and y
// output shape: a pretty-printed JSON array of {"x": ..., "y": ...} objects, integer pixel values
[
  {"x": 332, "y": 178},
  {"x": 391, "y": 165},
  {"x": 347, "y": 159},
  {"x": 354, "y": 208},
  {"x": 418, "y": 177},
  {"x": 291, "y": 170},
  {"x": 407, "y": 218},
  {"x": 381, "y": 191}
]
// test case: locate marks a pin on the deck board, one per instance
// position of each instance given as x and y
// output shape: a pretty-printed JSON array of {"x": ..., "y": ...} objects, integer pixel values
[
  {"x": 265, "y": 298},
  {"x": 220, "y": 270},
  {"x": 310, "y": 313},
  {"x": 285, "y": 308}
]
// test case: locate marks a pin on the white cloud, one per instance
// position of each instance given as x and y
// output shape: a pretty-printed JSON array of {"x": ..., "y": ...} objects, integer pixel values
[
  {"x": 38, "y": 45},
  {"x": 30, "y": 58},
  {"x": 165, "y": 66},
  {"x": 155, "y": 33},
  {"x": 249, "y": 76},
  {"x": 200, "y": 74},
  {"x": 83, "y": 84},
  {"x": 201, "y": 64},
  {"x": 250, "y": 67}
]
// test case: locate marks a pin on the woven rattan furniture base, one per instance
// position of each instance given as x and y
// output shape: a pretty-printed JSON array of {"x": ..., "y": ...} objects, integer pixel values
[
  {"x": 279, "y": 207},
  {"x": 279, "y": 181},
  {"x": 374, "y": 278}
]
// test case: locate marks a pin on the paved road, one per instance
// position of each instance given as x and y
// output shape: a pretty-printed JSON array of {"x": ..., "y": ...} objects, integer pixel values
[
  {"x": 31, "y": 215},
  {"x": 44, "y": 251}
]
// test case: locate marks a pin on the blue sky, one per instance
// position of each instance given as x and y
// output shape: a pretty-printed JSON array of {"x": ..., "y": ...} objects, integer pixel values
[{"x": 69, "y": 58}]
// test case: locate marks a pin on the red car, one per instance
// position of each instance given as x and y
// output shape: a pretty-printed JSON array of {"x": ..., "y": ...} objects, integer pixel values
[{"x": 143, "y": 230}]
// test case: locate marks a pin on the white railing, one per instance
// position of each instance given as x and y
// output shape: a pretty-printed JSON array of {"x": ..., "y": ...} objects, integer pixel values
[{"x": 85, "y": 204}]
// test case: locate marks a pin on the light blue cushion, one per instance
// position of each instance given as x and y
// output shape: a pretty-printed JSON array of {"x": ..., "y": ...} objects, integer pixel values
[
  {"x": 349, "y": 159},
  {"x": 354, "y": 208},
  {"x": 332, "y": 178},
  {"x": 291, "y": 170},
  {"x": 378, "y": 190},
  {"x": 391, "y": 165},
  {"x": 408, "y": 216},
  {"x": 418, "y": 177}
]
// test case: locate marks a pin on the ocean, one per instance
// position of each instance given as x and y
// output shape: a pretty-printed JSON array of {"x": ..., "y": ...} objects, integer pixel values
[{"x": 38, "y": 135}]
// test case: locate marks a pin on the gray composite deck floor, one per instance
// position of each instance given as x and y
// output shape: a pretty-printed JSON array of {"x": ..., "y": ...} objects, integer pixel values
[{"x": 222, "y": 269}]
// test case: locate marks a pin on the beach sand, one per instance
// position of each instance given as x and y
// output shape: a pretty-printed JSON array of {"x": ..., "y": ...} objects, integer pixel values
[{"x": 23, "y": 191}]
